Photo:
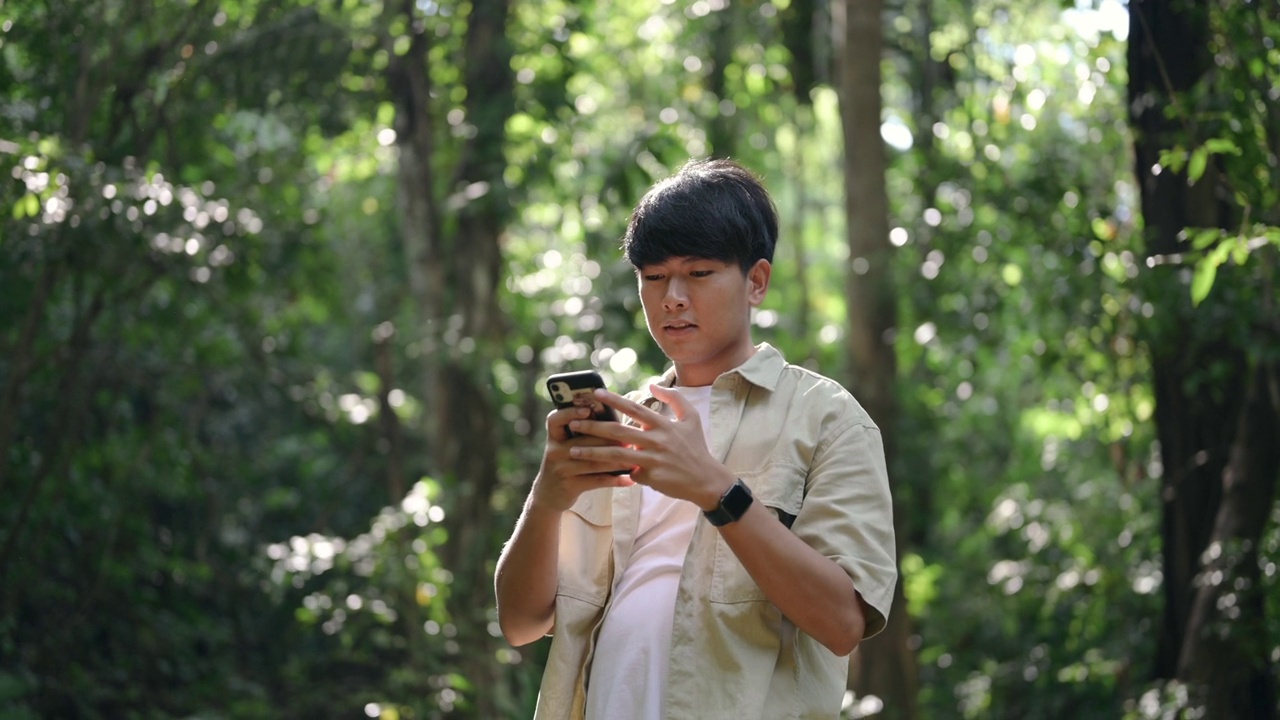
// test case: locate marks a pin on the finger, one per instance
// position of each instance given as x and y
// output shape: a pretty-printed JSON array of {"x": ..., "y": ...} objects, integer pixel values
[
  {"x": 569, "y": 466},
  {"x": 559, "y": 419},
  {"x": 608, "y": 431},
  {"x": 587, "y": 469},
  {"x": 674, "y": 399},
  {"x": 614, "y": 456},
  {"x": 585, "y": 433},
  {"x": 634, "y": 410},
  {"x": 604, "y": 480}
]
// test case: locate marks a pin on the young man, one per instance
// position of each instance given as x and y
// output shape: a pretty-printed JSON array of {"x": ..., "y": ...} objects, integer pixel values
[{"x": 751, "y": 547}]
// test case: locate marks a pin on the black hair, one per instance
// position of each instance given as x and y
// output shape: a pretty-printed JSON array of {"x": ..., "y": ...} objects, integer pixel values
[{"x": 713, "y": 209}]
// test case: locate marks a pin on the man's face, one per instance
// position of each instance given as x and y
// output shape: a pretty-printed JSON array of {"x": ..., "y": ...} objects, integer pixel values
[{"x": 699, "y": 312}]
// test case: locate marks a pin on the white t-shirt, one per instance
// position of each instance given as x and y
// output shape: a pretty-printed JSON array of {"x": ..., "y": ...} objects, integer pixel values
[{"x": 629, "y": 669}]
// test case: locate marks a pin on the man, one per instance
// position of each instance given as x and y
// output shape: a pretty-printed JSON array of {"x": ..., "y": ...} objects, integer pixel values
[{"x": 751, "y": 547}]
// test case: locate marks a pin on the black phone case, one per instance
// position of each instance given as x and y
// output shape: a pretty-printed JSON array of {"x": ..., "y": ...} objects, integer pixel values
[{"x": 576, "y": 388}]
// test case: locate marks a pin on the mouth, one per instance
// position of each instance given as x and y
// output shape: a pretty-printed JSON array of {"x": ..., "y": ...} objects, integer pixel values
[{"x": 677, "y": 326}]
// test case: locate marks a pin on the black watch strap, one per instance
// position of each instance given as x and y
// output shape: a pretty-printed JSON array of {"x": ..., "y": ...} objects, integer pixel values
[{"x": 733, "y": 504}]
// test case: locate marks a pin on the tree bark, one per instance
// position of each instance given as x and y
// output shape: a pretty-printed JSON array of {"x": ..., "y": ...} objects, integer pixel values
[
  {"x": 721, "y": 134},
  {"x": 1216, "y": 417},
  {"x": 798, "y": 22},
  {"x": 455, "y": 258},
  {"x": 884, "y": 666},
  {"x": 469, "y": 415},
  {"x": 1225, "y": 648},
  {"x": 22, "y": 357},
  {"x": 409, "y": 83}
]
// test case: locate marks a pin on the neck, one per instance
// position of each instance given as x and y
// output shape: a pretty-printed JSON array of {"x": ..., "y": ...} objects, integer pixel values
[{"x": 699, "y": 374}]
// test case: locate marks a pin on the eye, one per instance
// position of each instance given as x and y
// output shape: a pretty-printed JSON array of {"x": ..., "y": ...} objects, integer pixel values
[
  {"x": 702, "y": 273},
  {"x": 651, "y": 277}
]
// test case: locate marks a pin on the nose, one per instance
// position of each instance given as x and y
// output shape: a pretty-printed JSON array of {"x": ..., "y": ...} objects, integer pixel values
[{"x": 675, "y": 298}]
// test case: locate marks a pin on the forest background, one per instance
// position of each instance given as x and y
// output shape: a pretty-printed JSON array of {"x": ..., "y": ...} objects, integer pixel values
[{"x": 280, "y": 281}]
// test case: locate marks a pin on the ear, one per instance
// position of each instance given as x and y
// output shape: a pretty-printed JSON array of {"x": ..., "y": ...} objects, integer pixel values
[{"x": 758, "y": 281}]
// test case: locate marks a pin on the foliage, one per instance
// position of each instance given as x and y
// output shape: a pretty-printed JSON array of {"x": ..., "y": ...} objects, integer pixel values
[
  {"x": 169, "y": 387},
  {"x": 1213, "y": 340},
  {"x": 201, "y": 268},
  {"x": 1027, "y": 421},
  {"x": 1232, "y": 115}
]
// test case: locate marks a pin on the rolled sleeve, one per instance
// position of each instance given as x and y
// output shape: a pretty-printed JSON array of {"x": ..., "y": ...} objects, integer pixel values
[{"x": 847, "y": 515}]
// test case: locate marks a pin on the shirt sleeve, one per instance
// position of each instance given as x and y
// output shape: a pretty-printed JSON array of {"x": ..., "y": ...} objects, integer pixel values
[{"x": 847, "y": 515}]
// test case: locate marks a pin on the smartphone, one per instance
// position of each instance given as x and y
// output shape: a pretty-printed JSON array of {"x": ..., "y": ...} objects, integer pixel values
[{"x": 577, "y": 389}]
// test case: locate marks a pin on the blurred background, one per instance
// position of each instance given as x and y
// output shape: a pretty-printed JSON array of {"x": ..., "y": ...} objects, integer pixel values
[{"x": 280, "y": 282}]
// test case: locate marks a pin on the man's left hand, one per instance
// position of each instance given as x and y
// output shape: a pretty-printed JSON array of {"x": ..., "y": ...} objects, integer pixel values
[{"x": 666, "y": 453}]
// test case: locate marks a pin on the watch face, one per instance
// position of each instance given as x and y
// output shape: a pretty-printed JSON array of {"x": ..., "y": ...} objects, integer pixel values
[
  {"x": 737, "y": 500},
  {"x": 733, "y": 505}
]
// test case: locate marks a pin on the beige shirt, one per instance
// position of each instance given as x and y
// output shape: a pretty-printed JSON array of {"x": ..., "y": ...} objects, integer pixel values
[{"x": 806, "y": 448}]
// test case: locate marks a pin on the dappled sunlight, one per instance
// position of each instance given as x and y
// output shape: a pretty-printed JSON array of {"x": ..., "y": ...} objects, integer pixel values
[
  {"x": 182, "y": 220},
  {"x": 267, "y": 267},
  {"x": 302, "y": 557}
]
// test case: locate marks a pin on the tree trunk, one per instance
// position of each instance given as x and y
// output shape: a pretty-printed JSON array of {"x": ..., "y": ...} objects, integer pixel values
[
  {"x": 884, "y": 666},
  {"x": 1225, "y": 648},
  {"x": 455, "y": 269},
  {"x": 1215, "y": 416},
  {"x": 22, "y": 357},
  {"x": 798, "y": 22},
  {"x": 409, "y": 84},
  {"x": 721, "y": 131}
]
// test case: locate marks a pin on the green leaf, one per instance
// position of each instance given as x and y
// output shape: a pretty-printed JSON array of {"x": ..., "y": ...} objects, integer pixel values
[
  {"x": 1240, "y": 250},
  {"x": 1202, "y": 283},
  {"x": 1206, "y": 272},
  {"x": 1205, "y": 238},
  {"x": 1199, "y": 161},
  {"x": 27, "y": 206},
  {"x": 1222, "y": 146},
  {"x": 1175, "y": 158}
]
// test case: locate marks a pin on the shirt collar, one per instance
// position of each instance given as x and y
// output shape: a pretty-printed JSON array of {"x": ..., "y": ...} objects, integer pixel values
[{"x": 763, "y": 369}]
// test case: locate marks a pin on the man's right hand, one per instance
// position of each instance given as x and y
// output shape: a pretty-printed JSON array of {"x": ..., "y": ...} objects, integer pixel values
[
  {"x": 561, "y": 479},
  {"x": 526, "y": 577}
]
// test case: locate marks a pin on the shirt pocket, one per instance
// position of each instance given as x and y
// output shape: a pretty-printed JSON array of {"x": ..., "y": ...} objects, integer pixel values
[
  {"x": 586, "y": 549},
  {"x": 781, "y": 489}
]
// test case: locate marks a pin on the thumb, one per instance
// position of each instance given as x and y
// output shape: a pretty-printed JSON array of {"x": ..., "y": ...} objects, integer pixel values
[{"x": 675, "y": 399}]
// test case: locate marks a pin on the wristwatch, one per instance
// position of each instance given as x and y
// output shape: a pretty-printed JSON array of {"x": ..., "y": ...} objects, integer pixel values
[{"x": 733, "y": 504}]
